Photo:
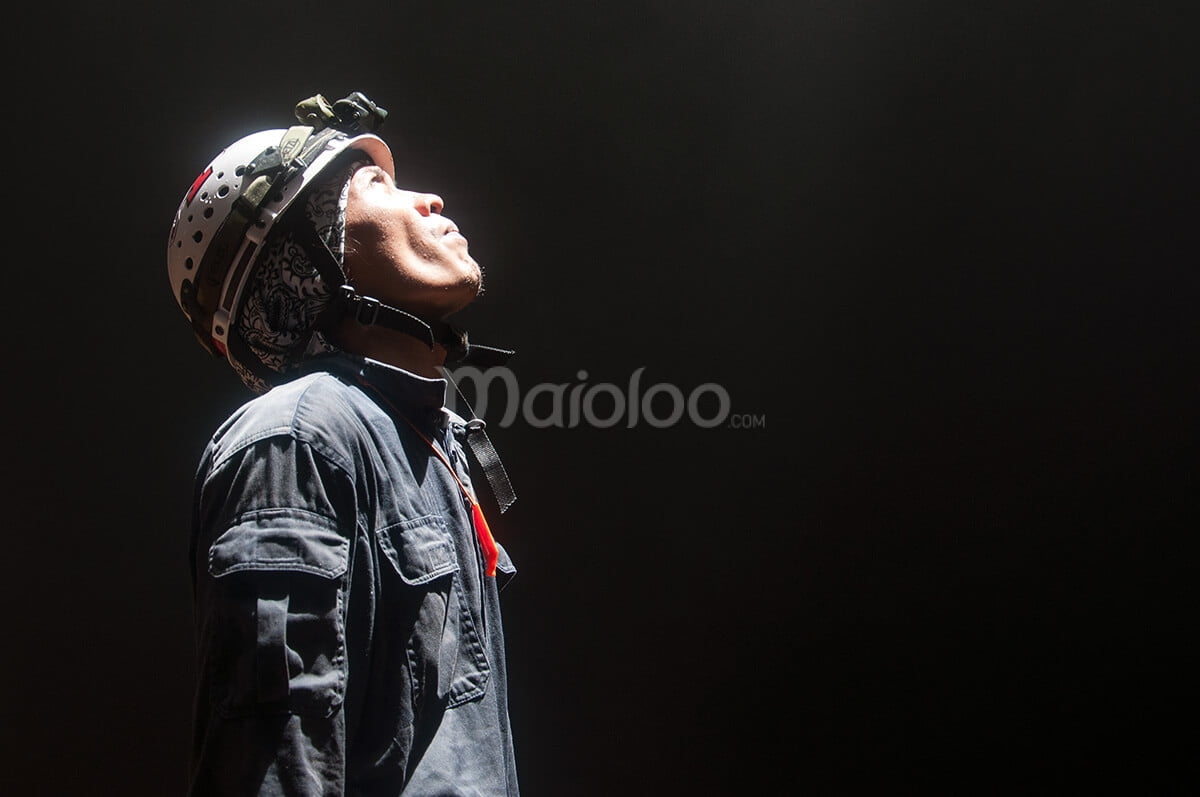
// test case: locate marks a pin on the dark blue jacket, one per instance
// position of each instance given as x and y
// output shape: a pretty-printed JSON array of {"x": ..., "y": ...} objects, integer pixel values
[{"x": 349, "y": 641}]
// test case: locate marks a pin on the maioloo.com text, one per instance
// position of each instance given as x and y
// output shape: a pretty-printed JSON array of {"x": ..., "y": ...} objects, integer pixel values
[{"x": 600, "y": 405}]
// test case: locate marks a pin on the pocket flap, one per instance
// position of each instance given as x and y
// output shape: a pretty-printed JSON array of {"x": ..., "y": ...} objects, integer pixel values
[
  {"x": 280, "y": 539},
  {"x": 420, "y": 549}
]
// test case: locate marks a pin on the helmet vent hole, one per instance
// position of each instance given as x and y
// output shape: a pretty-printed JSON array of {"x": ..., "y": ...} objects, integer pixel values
[
  {"x": 220, "y": 175},
  {"x": 188, "y": 264},
  {"x": 208, "y": 212},
  {"x": 198, "y": 236},
  {"x": 239, "y": 171},
  {"x": 277, "y": 196},
  {"x": 223, "y": 191},
  {"x": 220, "y": 330}
]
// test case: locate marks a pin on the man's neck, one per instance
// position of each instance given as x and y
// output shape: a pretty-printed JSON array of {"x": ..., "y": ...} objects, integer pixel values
[{"x": 392, "y": 347}]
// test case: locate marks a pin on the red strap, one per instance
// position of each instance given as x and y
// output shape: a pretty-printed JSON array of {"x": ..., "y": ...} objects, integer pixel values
[{"x": 491, "y": 553}]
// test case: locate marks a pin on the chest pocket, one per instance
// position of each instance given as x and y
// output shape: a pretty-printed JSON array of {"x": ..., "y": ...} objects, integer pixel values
[
  {"x": 444, "y": 650},
  {"x": 278, "y": 640}
]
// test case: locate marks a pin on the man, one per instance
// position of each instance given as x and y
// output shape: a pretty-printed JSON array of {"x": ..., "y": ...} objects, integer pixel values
[{"x": 345, "y": 579}]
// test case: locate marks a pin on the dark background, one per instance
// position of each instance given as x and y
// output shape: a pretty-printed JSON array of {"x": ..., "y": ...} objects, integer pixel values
[{"x": 945, "y": 251}]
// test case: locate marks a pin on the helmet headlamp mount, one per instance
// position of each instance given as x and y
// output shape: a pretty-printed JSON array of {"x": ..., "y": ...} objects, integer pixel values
[{"x": 352, "y": 115}]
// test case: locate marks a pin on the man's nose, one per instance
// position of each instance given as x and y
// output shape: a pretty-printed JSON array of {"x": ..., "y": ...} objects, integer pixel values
[{"x": 428, "y": 203}]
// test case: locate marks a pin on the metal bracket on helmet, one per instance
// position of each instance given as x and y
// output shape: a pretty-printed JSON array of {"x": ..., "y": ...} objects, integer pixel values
[{"x": 351, "y": 114}]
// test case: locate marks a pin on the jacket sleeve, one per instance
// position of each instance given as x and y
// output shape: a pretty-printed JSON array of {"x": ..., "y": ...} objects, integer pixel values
[{"x": 271, "y": 552}]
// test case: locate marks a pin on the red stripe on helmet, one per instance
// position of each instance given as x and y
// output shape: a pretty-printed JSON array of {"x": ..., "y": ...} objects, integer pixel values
[{"x": 196, "y": 185}]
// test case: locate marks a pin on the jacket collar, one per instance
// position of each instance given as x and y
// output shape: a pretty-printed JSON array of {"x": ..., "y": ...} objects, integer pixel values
[{"x": 399, "y": 387}]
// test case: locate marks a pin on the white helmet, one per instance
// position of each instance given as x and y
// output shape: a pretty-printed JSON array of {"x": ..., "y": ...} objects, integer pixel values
[{"x": 217, "y": 235}]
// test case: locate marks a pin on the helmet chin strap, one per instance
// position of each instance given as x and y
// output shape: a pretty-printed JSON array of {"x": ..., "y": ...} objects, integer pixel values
[{"x": 368, "y": 311}]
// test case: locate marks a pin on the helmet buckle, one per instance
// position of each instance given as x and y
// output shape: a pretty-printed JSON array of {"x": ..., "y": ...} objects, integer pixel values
[{"x": 367, "y": 310}]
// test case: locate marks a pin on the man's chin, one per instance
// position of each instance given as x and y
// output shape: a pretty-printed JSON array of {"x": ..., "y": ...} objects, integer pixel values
[
  {"x": 474, "y": 280},
  {"x": 466, "y": 294}
]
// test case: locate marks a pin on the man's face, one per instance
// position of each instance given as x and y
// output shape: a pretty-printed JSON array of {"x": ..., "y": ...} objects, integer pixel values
[{"x": 401, "y": 250}]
